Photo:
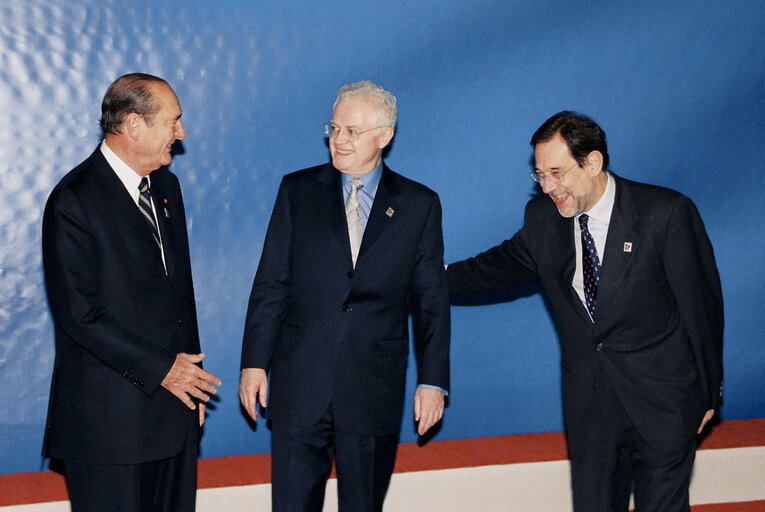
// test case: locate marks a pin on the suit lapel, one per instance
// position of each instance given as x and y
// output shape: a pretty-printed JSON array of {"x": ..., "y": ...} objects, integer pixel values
[
  {"x": 164, "y": 211},
  {"x": 331, "y": 200},
  {"x": 618, "y": 256},
  {"x": 121, "y": 206},
  {"x": 561, "y": 245},
  {"x": 385, "y": 200}
]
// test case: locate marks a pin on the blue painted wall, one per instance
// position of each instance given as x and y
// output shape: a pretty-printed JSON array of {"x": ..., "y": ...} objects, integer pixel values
[{"x": 678, "y": 86}]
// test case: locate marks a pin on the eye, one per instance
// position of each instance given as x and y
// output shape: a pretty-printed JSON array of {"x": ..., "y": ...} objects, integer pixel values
[{"x": 353, "y": 132}]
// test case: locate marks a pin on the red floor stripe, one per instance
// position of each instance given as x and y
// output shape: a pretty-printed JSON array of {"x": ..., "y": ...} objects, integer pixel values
[
  {"x": 744, "y": 506},
  {"x": 42, "y": 486}
]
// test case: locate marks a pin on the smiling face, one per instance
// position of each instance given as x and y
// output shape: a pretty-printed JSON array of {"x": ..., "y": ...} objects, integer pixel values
[
  {"x": 581, "y": 187},
  {"x": 155, "y": 137},
  {"x": 357, "y": 155}
]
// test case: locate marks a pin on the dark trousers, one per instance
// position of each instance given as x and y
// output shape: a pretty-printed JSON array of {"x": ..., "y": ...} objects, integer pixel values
[
  {"x": 165, "y": 485},
  {"x": 613, "y": 459},
  {"x": 301, "y": 461}
]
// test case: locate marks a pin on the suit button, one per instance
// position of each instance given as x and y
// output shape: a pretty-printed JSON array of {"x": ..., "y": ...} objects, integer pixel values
[
  {"x": 599, "y": 347},
  {"x": 347, "y": 308},
  {"x": 180, "y": 321},
  {"x": 349, "y": 275}
]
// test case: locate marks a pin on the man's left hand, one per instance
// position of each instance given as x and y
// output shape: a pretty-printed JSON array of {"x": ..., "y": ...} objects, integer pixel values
[
  {"x": 707, "y": 417},
  {"x": 428, "y": 408}
]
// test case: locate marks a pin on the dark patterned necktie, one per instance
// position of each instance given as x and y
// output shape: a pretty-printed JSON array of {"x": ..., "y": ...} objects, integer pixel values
[
  {"x": 144, "y": 203},
  {"x": 590, "y": 266}
]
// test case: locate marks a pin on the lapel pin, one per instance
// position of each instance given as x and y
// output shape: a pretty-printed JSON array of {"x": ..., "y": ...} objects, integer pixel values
[
  {"x": 389, "y": 212},
  {"x": 167, "y": 215},
  {"x": 627, "y": 246}
]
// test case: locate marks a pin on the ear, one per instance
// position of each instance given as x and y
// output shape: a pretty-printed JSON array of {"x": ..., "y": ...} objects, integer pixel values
[
  {"x": 594, "y": 163},
  {"x": 132, "y": 125},
  {"x": 385, "y": 138}
]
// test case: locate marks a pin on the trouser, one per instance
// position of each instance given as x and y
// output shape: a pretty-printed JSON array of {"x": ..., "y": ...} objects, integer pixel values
[
  {"x": 301, "y": 462},
  {"x": 165, "y": 485}
]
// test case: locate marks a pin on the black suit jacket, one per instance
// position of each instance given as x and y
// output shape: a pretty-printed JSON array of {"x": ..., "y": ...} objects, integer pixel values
[
  {"x": 119, "y": 319},
  {"x": 328, "y": 331},
  {"x": 657, "y": 333}
]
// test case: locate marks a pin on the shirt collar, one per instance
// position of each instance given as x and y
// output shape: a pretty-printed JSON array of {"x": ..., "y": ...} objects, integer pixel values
[
  {"x": 370, "y": 180},
  {"x": 601, "y": 212}
]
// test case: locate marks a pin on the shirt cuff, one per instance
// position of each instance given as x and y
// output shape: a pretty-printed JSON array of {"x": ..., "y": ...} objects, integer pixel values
[{"x": 428, "y": 386}]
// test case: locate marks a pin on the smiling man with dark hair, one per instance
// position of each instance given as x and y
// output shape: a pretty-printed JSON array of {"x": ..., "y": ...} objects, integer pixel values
[{"x": 634, "y": 287}]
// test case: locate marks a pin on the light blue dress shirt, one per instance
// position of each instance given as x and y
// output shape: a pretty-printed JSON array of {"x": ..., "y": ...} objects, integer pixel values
[{"x": 366, "y": 193}]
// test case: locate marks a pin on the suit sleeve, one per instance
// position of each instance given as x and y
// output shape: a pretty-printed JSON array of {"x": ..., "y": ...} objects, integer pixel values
[
  {"x": 692, "y": 272},
  {"x": 72, "y": 282},
  {"x": 270, "y": 288},
  {"x": 429, "y": 301}
]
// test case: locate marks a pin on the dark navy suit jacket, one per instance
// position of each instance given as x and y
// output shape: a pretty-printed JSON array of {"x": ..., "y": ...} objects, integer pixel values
[
  {"x": 658, "y": 327},
  {"x": 119, "y": 319},
  {"x": 327, "y": 331}
]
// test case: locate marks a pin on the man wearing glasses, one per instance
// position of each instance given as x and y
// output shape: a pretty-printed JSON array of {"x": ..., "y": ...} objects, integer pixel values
[
  {"x": 633, "y": 283},
  {"x": 352, "y": 248}
]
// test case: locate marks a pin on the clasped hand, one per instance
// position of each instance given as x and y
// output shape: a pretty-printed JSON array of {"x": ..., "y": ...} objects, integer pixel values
[{"x": 186, "y": 380}]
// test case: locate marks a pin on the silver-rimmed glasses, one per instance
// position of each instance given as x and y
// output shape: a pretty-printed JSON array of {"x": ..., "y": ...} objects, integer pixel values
[
  {"x": 556, "y": 176},
  {"x": 333, "y": 130}
]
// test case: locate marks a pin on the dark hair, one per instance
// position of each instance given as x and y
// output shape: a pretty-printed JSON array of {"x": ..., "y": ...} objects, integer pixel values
[
  {"x": 128, "y": 94},
  {"x": 582, "y": 135}
]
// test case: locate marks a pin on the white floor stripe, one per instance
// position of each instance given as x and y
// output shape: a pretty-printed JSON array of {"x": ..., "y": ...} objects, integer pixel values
[
  {"x": 724, "y": 475},
  {"x": 728, "y": 474}
]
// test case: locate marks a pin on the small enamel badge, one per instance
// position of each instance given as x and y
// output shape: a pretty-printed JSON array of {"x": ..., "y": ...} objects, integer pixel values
[
  {"x": 167, "y": 215},
  {"x": 627, "y": 246},
  {"x": 389, "y": 212}
]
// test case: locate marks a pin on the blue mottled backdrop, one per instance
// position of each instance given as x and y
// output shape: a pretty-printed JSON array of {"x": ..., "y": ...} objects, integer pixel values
[{"x": 678, "y": 86}]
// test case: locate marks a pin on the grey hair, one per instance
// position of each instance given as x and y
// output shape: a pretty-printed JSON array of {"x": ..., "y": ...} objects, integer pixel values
[
  {"x": 371, "y": 90},
  {"x": 128, "y": 94}
]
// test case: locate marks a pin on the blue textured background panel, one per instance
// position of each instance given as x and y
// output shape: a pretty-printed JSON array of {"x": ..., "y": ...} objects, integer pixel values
[{"x": 679, "y": 90}]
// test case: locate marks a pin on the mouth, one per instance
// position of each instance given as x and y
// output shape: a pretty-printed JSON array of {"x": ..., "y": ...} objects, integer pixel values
[
  {"x": 559, "y": 199},
  {"x": 343, "y": 152}
]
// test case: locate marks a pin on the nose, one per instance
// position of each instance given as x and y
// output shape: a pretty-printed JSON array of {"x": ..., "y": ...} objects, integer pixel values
[
  {"x": 180, "y": 131},
  {"x": 341, "y": 134},
  {"x": 547, "y": 184}
]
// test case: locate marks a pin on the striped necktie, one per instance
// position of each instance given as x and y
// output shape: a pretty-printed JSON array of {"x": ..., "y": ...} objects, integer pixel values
[{"x": 144, "y": 204}]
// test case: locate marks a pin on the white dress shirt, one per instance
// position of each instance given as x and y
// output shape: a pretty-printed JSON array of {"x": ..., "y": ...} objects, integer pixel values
[{"x": 597, "y": 224}]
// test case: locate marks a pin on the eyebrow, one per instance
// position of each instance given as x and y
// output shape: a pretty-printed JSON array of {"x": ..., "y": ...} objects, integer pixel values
[
  {"x": 537, "y": 169},
  {"x": 337, "y": 124}
]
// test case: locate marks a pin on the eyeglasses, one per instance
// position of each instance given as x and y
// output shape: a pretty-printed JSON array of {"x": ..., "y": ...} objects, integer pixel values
[
  {"x": 556, "y": 176},
  {"x": 332, "y": 130}
]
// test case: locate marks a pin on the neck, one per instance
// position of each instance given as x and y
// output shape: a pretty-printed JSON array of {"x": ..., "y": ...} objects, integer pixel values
[{"x": 120, "y": 146}]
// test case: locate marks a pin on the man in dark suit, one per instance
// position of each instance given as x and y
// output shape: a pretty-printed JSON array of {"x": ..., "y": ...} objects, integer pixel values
[
  {"x": 328, "y": 314},
  {"x": 127, "y": 376},
  {"x": 637, "y": 298}
]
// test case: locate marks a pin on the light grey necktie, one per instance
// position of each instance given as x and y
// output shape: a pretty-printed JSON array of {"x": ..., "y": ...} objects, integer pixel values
[{"x": 355, "y": 218}]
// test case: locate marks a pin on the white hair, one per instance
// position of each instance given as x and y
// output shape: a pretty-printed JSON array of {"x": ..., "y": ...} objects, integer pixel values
[{"x": 371, "y": 90}]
